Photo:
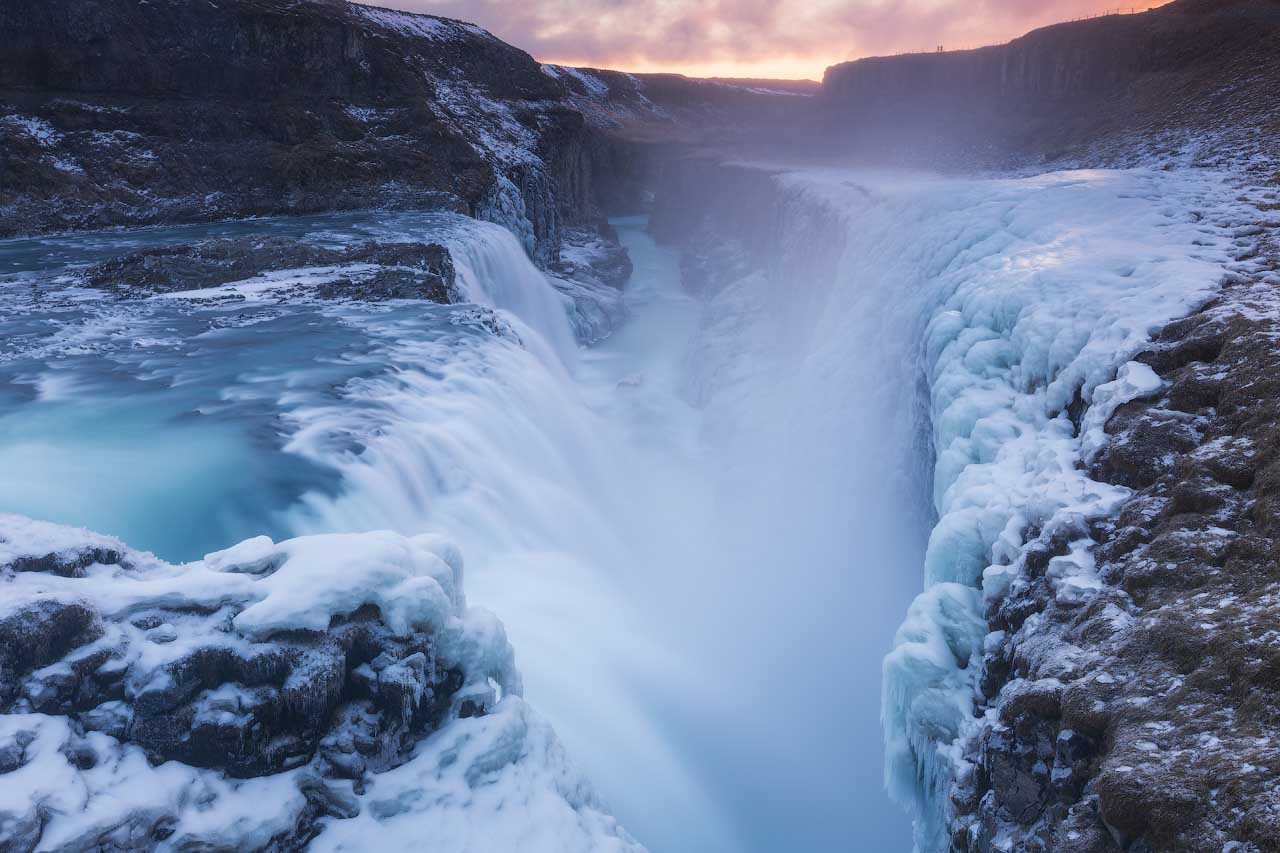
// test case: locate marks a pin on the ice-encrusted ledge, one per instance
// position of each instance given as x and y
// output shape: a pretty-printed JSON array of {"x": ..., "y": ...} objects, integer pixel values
[
  {"x": 332, "y": 690},
  {"x": 1139, "y": 714},
  {"x": 1026, "y": 364},
  {"x": 1025, "y": 304}
]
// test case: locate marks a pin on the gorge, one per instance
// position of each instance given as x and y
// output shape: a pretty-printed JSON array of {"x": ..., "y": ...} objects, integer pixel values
[{"x": 914, "y": 432}]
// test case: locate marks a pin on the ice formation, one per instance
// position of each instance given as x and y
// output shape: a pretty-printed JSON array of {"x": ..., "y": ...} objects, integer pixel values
[
  {"x": 1036, "y": 292},
  {"x": 999, "y": 317},
  {"x": 86, "y": 619}
]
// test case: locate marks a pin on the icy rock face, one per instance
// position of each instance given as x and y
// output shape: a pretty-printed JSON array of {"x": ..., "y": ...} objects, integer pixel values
[
  {"x": 591, "y": 271},
  {"x": 1016, "y": 359},
  {"x": 239, "y": 701},
  {"x": 1026, "y": 305},
  {"x": 1142, "y": 716}
]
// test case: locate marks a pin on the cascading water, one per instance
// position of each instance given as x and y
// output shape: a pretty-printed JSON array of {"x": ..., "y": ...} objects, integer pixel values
[{"x": 701, "y": 533}]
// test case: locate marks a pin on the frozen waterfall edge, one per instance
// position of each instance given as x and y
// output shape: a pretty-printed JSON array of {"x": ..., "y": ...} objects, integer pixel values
[{"x": 1028, "y": 300}]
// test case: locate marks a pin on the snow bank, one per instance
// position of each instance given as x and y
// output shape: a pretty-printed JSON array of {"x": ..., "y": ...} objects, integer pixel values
[{"x": 136, "y": 693}]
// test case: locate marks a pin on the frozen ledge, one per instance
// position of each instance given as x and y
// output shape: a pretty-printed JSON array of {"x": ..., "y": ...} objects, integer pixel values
[
  {"x": 329, "y": 690},
  {"x": 1028, "y": 362}
]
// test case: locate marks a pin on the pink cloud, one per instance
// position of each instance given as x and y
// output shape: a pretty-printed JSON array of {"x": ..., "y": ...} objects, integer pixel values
[{"x": 792, "y": 36}]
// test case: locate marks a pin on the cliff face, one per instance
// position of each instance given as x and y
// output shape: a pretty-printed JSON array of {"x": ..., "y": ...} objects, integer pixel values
[
  {"x": 116, "y": 112},
  {"x": 1099, "y": 90},
  {"x": 1165, "y": 738}
]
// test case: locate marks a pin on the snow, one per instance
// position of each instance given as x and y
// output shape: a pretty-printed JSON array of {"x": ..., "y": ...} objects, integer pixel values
[
  {"x": 38, "y": 129},
  {"x": 594, "y": 86},
  {"x": 491, "y": 126},
  {"x": 24, "y": 538},
  {"x": 300, "y": 584},
  {"x": 76, "y": 806},
  {"x": 1134, "y": 381},
  {"x": 480, "y": 785},
  {"x": 421, "y": 26},
  {"x": 491, "y": 782}
]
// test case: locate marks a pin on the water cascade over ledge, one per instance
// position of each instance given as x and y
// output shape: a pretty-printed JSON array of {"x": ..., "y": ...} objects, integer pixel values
[{"x": 703, "y": 532}]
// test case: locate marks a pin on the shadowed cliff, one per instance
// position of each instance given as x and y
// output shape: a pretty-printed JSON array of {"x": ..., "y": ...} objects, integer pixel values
[{"x": 1099, "y": 90}]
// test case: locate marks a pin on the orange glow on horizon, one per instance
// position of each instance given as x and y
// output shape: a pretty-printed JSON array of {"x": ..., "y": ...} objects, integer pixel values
[
  {"x": 788, "y": 68},
  {"x": 973, "y": 34}
]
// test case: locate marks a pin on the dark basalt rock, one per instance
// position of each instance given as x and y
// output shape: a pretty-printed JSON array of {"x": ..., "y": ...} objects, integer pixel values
[
  {"x": 249, "y": 710},
  {"x": 401, "y": 270},
  {"x": 39, "y": 634}
]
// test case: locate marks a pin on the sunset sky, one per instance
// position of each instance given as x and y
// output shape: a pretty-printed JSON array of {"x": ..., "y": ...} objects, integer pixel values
[{"x": 746, "y": 38}]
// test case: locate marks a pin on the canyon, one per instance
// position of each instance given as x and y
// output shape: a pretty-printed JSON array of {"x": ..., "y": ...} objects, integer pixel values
[{"x": 703, "y": 378}]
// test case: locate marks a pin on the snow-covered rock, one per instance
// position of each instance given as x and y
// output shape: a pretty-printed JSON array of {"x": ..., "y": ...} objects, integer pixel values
[{"x": 266, "y": 694}]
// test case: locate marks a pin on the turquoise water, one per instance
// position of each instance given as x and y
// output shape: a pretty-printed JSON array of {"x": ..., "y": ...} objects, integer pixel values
[{"x": 164, "y": 421}]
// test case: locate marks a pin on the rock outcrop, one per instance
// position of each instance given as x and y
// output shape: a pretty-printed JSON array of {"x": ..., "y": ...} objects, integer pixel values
[
  {"x": 115, "y": 112},
  {"x": 249, "y": 700},
  {"x": 367, "y": 272}
]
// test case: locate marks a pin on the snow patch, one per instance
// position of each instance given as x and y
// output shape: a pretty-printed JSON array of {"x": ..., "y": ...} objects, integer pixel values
[
  {"x": 420, "y": 26},
  {"x": 45, "y": 134}
]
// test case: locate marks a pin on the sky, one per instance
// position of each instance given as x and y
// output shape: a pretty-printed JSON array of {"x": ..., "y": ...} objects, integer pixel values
[{"x": 746, "y": 38}]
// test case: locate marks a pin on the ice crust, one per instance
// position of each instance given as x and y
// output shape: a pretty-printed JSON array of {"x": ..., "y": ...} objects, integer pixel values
[
  {"x": 1019, "y": 304},
  {"x": 479, "y": 782},
  {"x": 1036, "y": 293}
]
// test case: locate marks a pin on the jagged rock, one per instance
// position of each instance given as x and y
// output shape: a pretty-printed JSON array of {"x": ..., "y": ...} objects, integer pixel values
[{"x": 1158, "y": 743}]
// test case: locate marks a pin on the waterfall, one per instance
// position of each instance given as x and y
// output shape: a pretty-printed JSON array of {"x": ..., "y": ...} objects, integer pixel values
[
  {"x": 494, "y": 270},
  {"x": 702, "y": 533}
]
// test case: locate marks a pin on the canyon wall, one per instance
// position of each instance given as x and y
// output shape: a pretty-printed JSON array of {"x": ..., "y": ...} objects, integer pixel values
[
  {"x": 115, "y": 112},
  {"x": 1104, "y": 90},
  {"x": 1088, "y": 668}
]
